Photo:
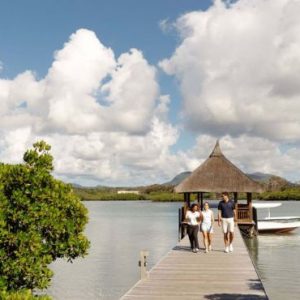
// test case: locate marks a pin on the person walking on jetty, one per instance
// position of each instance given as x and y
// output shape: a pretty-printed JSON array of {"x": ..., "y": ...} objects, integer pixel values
[
  {"x": 193, "y": 218},
  {"x": 207, "y": 221},
  {"x": 227, "y": 216}
]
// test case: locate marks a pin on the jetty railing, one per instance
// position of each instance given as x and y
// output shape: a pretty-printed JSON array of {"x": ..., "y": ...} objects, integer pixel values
[{"x": 244, "y": 213}]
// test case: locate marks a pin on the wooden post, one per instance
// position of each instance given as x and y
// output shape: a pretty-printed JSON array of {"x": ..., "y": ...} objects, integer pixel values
[
  {"x": 249, "y": 202},
  {"x": 188, "y": 199},
  {"x": 201, "y": 198},
  {"x": 183, "y": 213},
  {"x": 198, "y": 198},
  {"x": 179, "y": 224},
  {"x": 249, "y": 198},
  {"x": 143, "y": 263},
  {"x": 235, "y": 195},
  {"x": 254, "y": 214}
]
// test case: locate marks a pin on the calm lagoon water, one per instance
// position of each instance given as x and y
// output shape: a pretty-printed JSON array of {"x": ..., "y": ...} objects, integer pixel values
[
  {"x": 119, "y": 230},
  {"x": 277, "y": 257}
]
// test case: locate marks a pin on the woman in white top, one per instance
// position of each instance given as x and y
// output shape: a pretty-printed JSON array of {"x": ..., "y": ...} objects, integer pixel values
[
  {"x": 193, "y": 218},
  {"x": 207, "y": 221}
]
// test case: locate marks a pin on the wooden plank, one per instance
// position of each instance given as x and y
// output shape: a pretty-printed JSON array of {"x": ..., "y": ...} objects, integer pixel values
[{"x": 182, "y": 274}]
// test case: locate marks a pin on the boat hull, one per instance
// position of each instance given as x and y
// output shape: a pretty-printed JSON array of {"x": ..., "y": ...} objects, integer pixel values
[
  {"x": 278, "y": 225},
  {"x": 277, "y": 230}
]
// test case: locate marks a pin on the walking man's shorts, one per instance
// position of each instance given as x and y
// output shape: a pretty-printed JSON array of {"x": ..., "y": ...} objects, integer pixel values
[{"x": 227, "y": 225}]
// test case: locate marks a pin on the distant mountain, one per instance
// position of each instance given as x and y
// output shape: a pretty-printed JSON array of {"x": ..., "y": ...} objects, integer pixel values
[
  {"x": 259, "y": 176},
  {"x": 75, "y": 185},
  {"x": 273, "y": 182},
  {"x": 276, "y": 183},
  {"x": 178, "y": 178},
  {"x": 270, "y": 181}
]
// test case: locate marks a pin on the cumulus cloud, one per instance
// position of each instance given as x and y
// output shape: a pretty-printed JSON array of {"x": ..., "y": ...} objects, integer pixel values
[
  {"x": 103, "y": 116},
  {"x": 132, "y": 94},
  {"x": 238, "y": 66},
  {"x": 250, "y": 154},
  {"x": 166, "y": 26},
  {"x": 107, "y": 122},
  {"x": 12, "y": 144},
  {"x": 116, "y": 157},
  {"x": 72, "y": 81},
  {"x": 86, "y": 89}
]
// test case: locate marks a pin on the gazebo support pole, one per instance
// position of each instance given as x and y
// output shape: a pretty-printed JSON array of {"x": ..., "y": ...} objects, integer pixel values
[
  {"x": 235, "y": 197},
  {"x": 249, "y": 202},
  {"x": 187, "y": 199},
  {"x": 185, "y": 204},
  {"x": 198, "y": 198},
  {"x": 201, "y": 198}
]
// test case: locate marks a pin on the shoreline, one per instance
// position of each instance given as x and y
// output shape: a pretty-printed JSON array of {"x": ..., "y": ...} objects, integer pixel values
[{"x": 173, "y": 201}]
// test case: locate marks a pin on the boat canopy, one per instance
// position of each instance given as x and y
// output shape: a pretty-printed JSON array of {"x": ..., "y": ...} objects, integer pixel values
[{"x": 266, "y": 205}]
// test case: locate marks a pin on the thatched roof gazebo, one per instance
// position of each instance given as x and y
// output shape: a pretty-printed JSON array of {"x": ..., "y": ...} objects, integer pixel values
[{"x": 217, "y": 174}]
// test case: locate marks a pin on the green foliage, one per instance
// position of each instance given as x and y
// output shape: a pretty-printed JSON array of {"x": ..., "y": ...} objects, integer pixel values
[
  {"x": 94, "y": 194},
  {"x": 285, "y": 194},
  {"x": 156, "y": 188},
  {"x": 165, "y": 197},
  {"x": 21, "y": 295},
  {"x": 105, "y": 195},
  {"x": 41, "y": 219},
  {"x": 155, "y": 193}
]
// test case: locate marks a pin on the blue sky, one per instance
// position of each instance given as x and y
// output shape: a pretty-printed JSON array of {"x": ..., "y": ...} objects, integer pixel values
[
  {"x": 32, "y": 30},
  {"x": 213, "y": 70}
]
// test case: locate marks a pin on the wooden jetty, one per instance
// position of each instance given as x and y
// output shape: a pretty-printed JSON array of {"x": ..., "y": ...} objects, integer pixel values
[{"x": 216, "y": 275}]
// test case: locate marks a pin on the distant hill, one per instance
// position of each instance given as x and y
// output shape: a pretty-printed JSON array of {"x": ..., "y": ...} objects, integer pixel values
[
  {"x": 178, "y": 178},
  {"x": 258, "y": 176},
  {"x": 272, "y": 182},
  {"x": 76, "y": 185}
]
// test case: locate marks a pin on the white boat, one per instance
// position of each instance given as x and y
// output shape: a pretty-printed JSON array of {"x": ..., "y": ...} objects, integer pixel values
[{"x": 276, "y": 224}]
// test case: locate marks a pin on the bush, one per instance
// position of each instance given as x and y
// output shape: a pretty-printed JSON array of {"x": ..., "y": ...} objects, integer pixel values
[
  {"x": 286, "y": 194},
  {"x": 157, "y": 188},
  {"x": 168, "y": 197},
  {"x": 41, "y": 219},
  {"x": 99, "y": 194},
  {"x": 21, "y": 295}
]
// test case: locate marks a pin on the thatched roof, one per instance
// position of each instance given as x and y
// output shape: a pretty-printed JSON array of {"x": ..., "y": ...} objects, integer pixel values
[{"x": 218, "y": 174}]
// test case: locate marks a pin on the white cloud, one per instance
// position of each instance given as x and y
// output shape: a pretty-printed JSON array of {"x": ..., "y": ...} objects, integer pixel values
[
  {"x": 104, "y": 117},
  {"x": 117, "y": 157},
  {"x": 238, "y": 66},
  {"x": 72, "y": 81},
  {"x": 13, "y": 144},
  {"x": 165, "y": 25},
  {"x": 86, "y": 89},
  {"x": 250, "y": 154},
  {"x": 132, "y": 93}
]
